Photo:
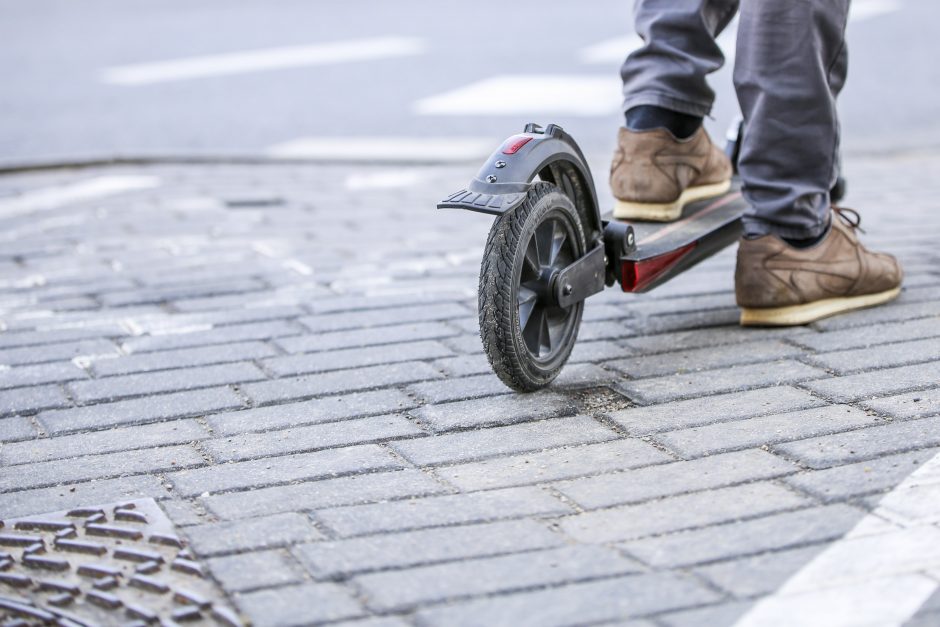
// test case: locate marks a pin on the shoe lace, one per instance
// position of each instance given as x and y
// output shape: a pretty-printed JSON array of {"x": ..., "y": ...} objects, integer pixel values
[{"x": 849, "y": 217}]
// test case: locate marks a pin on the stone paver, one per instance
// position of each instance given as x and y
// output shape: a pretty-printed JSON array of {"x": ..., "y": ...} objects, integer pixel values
[
  {"x": 765, "y": 430},
  {"x": 680, "y": 512},
  {"x": 302, "y": 388},
  {"x": 529, "y": 436}
]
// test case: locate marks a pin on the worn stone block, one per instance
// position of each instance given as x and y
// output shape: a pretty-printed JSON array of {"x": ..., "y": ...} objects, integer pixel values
[
  {"x": 749, "y": 537},
  {"x": 309, "y": 386},
  {"x": 552, "y": 465},
  {"x": 765, "y": 430},
  {"x": 182, "y": 358},
  {"x": 845, "y": 448},
  {"x": 32, "y": 399},
  {"x": 140, "y": 410},
  {"x": 182, "y": 379},
  {"x": 680, "y": 512},
  {"x": 376, "y": 336},
  {"x": 98, "y": 442},
  {"x": 313, "y": 411},
  {"x": 719, "y": 408},
  {"x": 310, "y": 495},
  {"x": 905, "y": 406},
  {"x": 252, "y": 534},
  {"x": 254, "y": 570},
  {"x": 310, "y": 438},
  {"x": 401, "y": 589},
  {"x": 440, "y": 510},
  {"x": 877, "y": 383},
  {"x": 852, "y": 480},
  {"x": 354, "y": 358},
  {"x": 505, "y": 409},
  {"x": 693, "y": 360},
  {"x": 596, "y": 601},
  {"x": 333, "y": 558},
  {"x": 21, "y": 376},
  {"x": 735, "y": 378},
  {"x": 43, "y": 474},
  {"x": 294, "y": 606},
  {"x": 680, "y": 477},
  {"x": 272, "y": 470},
  {"x": 477, "y": 444},
  {"x": 885, "y": 356}
]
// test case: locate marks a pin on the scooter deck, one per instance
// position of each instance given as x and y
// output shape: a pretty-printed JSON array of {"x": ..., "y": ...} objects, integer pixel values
[{"x": 664, "y": 249}]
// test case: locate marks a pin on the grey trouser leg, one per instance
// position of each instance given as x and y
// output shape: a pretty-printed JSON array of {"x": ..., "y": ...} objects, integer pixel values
[
  {"x": 790, "y": 66},
  {"x": 680, "y": 51}
]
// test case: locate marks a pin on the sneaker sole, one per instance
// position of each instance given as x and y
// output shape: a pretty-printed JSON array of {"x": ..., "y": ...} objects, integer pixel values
[
  {"x": 810, "y": 312},
  {"x": 667, "y": 212}
]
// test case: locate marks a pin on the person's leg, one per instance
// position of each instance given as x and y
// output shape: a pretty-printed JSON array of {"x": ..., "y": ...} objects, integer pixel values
[
  {"x": 679, "y": 52},
  {"x": 791, "y": 64},
  {"x": 799, "y": 259},
  {"x": 664, "y": 158}
]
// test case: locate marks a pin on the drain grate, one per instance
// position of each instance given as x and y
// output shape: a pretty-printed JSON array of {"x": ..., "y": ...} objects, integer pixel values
[{"x": 120, "y": 563}]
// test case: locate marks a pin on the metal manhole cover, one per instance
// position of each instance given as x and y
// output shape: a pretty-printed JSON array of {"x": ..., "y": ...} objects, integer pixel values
[{"x": 114, "y": 564}]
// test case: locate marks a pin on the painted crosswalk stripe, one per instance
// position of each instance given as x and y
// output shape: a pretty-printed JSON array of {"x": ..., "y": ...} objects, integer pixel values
[
  {"x": 877, "y": 574},
  {"x": 528, "y": 94},
  {"x": 865, "y": 9},
  {"x": 385, "y": 149},
  {"x": 261, "y": 60},
  {"x": 91, "y": 189}
]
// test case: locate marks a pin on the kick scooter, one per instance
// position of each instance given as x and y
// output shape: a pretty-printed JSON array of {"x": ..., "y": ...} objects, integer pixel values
[{"x": 549, "y": 249}]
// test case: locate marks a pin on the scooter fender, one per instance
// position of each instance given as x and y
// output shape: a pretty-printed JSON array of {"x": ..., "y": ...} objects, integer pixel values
[{"x": 550, "y": 154}]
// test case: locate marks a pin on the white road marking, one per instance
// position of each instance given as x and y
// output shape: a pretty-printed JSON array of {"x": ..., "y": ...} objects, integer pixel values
[
  {"x": 385, "y": 179},
  {"x": 877, "y": 574},
  {"x": 55, "y": 197},
  {"x": 613, "y": 50},
  {"x": 865, "y": 9},
  {"x": 385, "y": 148},
  {"x": 530, "y": 94},
  {"x": 261, "y": 60}
]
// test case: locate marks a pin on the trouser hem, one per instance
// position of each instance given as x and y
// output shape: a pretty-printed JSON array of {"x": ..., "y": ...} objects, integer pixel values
[
  {"x": 667, "y": 101},
  {"x": 754, "y": 227}
]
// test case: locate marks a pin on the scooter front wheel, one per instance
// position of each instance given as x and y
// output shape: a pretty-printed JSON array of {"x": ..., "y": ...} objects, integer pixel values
[{"x": 527, "y": 336}]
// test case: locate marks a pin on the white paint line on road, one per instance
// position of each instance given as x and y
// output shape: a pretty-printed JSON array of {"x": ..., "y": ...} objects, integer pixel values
[
  {"x": 528, "y": 94},
  {"x": 616, "y": 50},
  {"x": 385, "y": 179},
  {"x": 261, "y": 60},
  {"x": 613, "y": 50},
  {"x": 442, "y": 149},
  {"x": 865, "y": 9},
  {"x": 91, "y": 189},
  {"x": 877, "y": 574}
]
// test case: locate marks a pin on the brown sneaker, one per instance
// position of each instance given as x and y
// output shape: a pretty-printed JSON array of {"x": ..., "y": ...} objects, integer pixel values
[
  {"x": 779, "y": 285},
  {"x": 654, "y": 175}
]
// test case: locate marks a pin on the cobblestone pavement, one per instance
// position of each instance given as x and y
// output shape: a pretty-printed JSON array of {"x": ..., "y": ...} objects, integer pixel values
[{"x": 286, "y": 358}]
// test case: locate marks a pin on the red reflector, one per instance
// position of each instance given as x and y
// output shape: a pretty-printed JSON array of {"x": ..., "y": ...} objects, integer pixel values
[
  {"x": 636, "y": 275},
  {"x": 514, "y": 143}
]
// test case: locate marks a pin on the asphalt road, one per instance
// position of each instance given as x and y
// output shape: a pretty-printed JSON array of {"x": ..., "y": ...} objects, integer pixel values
[{"x": 369, "y": 69}]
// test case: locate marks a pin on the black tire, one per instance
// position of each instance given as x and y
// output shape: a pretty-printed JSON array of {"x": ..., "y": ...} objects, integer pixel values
[{"x": 514, "y": 295}]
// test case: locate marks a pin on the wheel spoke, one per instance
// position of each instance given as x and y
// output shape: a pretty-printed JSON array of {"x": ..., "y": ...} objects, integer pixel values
[
  {"x": 530, "y": 267},
  {"x": 559, "y": 237},
  {"x": 527, "y": 300},
  {"x": 543, "y": 236},
  {"x": 555, "y": 325},
  {"x": 532, "y": 331},
  {"x": 545, "y": 340}
]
